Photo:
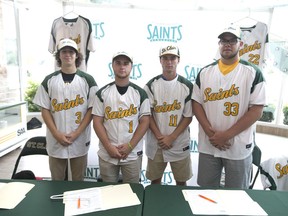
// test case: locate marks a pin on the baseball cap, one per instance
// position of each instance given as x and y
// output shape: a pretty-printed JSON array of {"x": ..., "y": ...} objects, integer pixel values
[
  {"x": 122, "y": 53},
  {"x": 235, "y": 30},
  {"x": 67, "y": 43},
  {"x": 170, "y": 49}
]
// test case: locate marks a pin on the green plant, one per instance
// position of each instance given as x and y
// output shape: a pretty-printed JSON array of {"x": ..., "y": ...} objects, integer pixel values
[
  {"x": 268, "y": 113},
  {"x": 285, "y": 111},
  {"x": 29, "y": 95}
]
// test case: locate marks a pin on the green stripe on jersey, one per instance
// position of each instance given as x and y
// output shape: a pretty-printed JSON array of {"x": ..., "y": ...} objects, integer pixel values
[
  {"x": 259, "y": 78},
  {"x": 48, "y": 77},
  {"x": 143, "y": 94},
  {"x": 187, "y": 83},
  {"x": 99, "y": 92},
  {"x": 197, "y": 81},
  {"x": 149, "y": 84},
  {"x": 89, "y": 79}
]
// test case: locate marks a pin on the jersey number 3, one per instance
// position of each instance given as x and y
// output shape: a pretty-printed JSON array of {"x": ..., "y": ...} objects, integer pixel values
[{"x": 78, "y": 115}]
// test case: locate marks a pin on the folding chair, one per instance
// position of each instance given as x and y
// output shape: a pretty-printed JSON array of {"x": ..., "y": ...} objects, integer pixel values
[
  {"x": 256, "y": 155},
  {"x": 33, "y": 146}
]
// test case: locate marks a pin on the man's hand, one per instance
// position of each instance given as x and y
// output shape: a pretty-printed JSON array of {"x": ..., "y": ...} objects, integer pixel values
[
  {"x": 63, "y": 139},
  {"x": 165, "y": 142},
  {"x": 124, "y": 150},
  {"x": 114, "y": 152},
  {"x": 220, "y": 140}
]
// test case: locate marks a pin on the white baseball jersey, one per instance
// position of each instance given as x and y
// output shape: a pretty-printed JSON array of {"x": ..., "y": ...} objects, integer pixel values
[
  {"x": 274, "y": 173},
  {"x": 79, "y": 30},
  {"x": 121, "y": 116},
  {"x": 225, "y": 99},
  {"x": 68, "y": 104},
  {"x": 255, "y": 47},
  {"x": 170, "y": 102}
]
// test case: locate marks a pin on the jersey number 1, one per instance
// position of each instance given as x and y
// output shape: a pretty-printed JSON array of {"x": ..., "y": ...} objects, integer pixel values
[{"x": 130, "y": 127}]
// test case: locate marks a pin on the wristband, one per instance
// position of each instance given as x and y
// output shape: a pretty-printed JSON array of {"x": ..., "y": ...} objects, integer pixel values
[{"x": 130, "y": 146}]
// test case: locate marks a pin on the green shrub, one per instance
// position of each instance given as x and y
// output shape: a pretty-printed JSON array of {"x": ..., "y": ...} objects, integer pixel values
[
  {"x": 29, "y": 95},
  {"x": 285, "y": 111}
]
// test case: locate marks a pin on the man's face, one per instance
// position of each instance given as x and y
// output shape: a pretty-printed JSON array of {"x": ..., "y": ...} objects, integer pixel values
[
  {"x": 122, "y": 67},
  {"x": 229, "y": 46},
  {"x": 169, "y": 63},
  {"x": 67, "y": 56}
]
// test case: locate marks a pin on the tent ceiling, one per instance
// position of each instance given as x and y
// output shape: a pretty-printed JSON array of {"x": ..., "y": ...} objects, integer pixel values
[{"x": 234, "y": 5}]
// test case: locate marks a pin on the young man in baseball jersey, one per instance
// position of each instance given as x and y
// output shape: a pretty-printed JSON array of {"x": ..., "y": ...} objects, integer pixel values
[
  {"x": 65, "y": 98},
  {"x": 168, "y": 139},
  {"x": 121, "y": 114},
  {"x": 228, "y": 98}
]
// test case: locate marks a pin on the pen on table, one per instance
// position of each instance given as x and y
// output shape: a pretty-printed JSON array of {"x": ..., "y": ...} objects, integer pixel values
[
  {"x": 79, "y": 203},
  {"x": 206, "y": 198}
]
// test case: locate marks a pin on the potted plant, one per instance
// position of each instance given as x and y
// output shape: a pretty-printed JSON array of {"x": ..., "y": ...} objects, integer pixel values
[
  {"x": 285, "y": 111},
  {"x": 29, "y": 95},
  {"x": 268, "y": 113}
]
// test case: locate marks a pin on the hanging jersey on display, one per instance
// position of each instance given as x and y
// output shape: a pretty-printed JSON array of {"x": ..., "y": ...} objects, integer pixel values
[
  {"x": 79, "y": 30},
  {"x": 255, "y": 47}
]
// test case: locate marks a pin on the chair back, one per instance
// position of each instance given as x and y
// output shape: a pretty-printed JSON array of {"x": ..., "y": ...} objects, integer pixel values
[
  {"x": 33, "y": 146},
  {"x": 256, "y": 155}
]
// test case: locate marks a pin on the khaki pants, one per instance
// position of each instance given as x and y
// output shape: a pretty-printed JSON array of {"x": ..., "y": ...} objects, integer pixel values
[
  {"x": 182, "y": 169},
  {"x": 59, "y": 166}
]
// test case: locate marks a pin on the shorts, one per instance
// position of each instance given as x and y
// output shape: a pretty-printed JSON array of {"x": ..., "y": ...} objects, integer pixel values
[
  {"x": 182, "y": 169},
  {"x": 130, "y": 170}
]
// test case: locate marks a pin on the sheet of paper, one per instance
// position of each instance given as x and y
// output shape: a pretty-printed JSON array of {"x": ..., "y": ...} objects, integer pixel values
[
  {"x": 82, "y": 201},
  {"x": 119, "y": 196},
  {"x": 227, "y": 202},
  {"x": 98, "y": 199},
  {"x": 13, "y": 193}
]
